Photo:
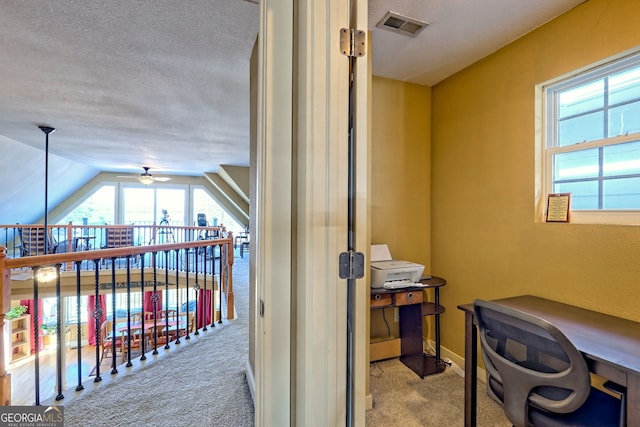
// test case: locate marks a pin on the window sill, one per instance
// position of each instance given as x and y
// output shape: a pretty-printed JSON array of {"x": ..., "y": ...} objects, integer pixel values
[{"x": 626, "y": 217}]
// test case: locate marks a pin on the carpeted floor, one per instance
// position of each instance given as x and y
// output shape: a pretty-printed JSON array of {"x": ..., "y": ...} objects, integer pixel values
[
  {"x": 402, "y": 398},
  {"x": 200, "y": 382}
]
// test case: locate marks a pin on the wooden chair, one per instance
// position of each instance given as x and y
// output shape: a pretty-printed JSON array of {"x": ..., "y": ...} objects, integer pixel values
[
  {"x": 150, "y": 315},
  {"x": 32, "y": 241},
  {"x": 164, "y": 337},
  {"x": 135, "y": 340},
  {"x": 136, "y": 318},
  {"x": 107, "y": 342},
  {"x": 160, "y": 315},
  {"x": 189, "y": 328},
  {"x": 117, "y": 237}
]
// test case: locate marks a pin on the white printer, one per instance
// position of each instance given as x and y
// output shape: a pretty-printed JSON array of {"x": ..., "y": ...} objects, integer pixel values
[{"x": 389, "y": 273}]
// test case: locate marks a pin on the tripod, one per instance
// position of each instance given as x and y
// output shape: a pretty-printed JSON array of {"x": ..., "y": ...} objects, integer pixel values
[{"x": 166, "y": 235}]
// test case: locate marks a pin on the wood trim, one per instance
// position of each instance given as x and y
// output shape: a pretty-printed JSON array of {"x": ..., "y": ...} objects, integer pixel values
[
  {"x": 301, "y": 220},
  {"x": 274, "y": 367}
]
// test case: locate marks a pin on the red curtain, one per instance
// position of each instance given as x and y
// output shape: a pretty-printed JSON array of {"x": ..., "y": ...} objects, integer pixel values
[
  {"x": 148, "y": 303},
  {"x": 204, "y": 308},
  {"x": 30, "y": 310},
  {"x": 91, "y": 321}
]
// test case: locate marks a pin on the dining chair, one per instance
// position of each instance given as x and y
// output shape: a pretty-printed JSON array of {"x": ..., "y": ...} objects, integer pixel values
[
  {"x": 189, "y": 327},
  {"x": 135, "y": 318},
  {"x": 150, "y": 315},
  {"x": 538, "y": 374},
  {"x": 109, "y": 345},
  {"x": 164, "y": 335},
  {"x": 131, "y": 335},
  {"x": 133, "y": 343},
  {"x": 170, "y": 313}
]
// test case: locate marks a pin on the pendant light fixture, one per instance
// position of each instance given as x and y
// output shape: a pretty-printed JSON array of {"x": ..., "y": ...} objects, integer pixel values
[{"x": 46, "y": 273}]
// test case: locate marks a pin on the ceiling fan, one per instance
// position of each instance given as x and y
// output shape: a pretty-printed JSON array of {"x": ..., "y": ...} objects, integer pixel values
[{"x": 146, "y": 178}]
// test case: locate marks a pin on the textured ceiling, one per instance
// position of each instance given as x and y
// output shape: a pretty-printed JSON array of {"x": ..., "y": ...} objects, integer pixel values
[
  {"x": 460, "y": 32},
  {"x": 130, "y": 83},
  {"x": 165, "y": 83}
]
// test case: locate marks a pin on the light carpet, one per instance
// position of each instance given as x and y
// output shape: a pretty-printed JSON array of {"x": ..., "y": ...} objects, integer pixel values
[
  {"x": 200, "y": 382},
  {"x": 402, "y": 398}
]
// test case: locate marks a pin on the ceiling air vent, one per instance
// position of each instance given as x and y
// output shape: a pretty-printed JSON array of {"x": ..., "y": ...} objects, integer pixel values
[{"x": 398, "y": 23}]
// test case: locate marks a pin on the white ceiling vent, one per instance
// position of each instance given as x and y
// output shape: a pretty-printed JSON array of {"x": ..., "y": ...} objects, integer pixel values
[{"x": 398, "y": 23}]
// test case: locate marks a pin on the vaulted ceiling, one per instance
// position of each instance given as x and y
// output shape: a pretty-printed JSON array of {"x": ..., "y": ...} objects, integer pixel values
[{"x": 165, "y": 84}]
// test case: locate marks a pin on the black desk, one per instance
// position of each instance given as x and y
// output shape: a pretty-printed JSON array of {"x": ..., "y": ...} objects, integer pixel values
[
  {"x": 77, "y": 246},
  {"x": 610, "y": 344},
  {"x": 412, "y": 309}
]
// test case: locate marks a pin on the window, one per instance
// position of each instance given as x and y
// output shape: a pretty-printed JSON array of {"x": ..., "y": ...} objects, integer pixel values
[
  {"x": 592, "y": 141},
  {"x": 71, "y": 305},
  {"x": 204, "y": 203},
  {"x": 96, "y": 209},
  {"x": 144, "y": 205}
]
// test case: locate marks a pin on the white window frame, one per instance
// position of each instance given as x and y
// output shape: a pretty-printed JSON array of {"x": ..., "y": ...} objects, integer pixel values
[{"x": 546, "y": 135}]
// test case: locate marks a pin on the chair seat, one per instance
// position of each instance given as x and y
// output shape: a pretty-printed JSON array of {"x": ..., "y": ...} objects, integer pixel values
[{"x": 604, "y": 411}]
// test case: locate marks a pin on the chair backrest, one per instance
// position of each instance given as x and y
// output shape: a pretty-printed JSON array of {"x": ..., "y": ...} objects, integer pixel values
[
  {"x": 161, "y": 314},
  {"x": 532, "y": 361},
  {"x": 191, "y": 319},
  {"x": 106, "y": 332},
  {"x": 32, "y": 239},
  {"x": 135, "y": 318},
  {"x": 171, "y": 314},
  {"x": 118, "y": 237}
]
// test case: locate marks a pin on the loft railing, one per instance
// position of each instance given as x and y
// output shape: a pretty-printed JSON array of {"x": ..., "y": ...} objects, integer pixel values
[
  {"x": 75, "y": 238},
  {"x": 196, "y": 262}
]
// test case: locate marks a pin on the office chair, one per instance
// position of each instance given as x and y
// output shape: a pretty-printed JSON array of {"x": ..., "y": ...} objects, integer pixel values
[
  {"x": 538, "y": 374},
  {"x": 202, "y": 220}
]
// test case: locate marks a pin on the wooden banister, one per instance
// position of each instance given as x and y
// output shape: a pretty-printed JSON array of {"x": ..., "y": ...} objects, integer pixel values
[
  {"x": 198, "y": 245},
  {"x": 229, "y": 278},
  {"x": 5, "y": 306}
]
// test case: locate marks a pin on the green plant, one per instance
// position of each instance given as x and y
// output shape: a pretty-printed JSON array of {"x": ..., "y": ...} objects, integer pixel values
[
  {"x": 48, "y": 329},
  {"x": 16, "y": 312}
]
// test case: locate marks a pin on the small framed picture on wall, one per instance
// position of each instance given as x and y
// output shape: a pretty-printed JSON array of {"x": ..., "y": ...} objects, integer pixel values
[{"x": 558, "y": 207}]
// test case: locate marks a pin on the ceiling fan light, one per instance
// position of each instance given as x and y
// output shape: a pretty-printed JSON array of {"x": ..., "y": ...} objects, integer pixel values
[
  {"x": 146, "y": 179},
  {"x": 46, "y": 274}
]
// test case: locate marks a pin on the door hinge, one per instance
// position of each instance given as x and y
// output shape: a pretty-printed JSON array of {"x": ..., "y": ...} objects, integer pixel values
[
  {"x": 351, "y": 265},
  {"x": 353, "y": 43}
]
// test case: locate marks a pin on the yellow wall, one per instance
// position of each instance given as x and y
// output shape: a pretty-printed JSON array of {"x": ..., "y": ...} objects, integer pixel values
[
  {"x": 401, "y": 169},
  {"x": 400, "y": 179},
  {"x": 485, "y": 240}
]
